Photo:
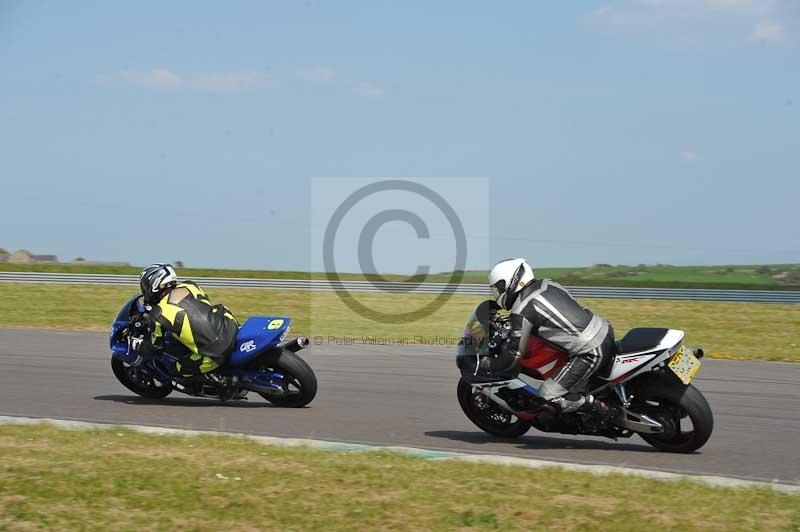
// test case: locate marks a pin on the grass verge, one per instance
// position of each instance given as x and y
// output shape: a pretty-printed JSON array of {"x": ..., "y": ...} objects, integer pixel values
[
  {"x": 101, "y": 479},
  {"x": 753, "y": 331}
]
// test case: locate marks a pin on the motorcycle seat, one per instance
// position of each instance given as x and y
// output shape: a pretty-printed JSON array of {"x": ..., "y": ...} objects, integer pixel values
[{"x": 641, "y": 339}]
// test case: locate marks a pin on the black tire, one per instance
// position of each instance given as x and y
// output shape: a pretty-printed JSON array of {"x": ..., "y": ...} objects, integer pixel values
[
  {"x": 133, "y": 379},
  {"x": 299, "y": 377},
  {"x": 488, "y": 417},
  {"x": 669, "y": 402}
]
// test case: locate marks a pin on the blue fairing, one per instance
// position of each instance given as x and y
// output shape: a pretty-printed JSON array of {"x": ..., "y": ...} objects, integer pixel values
[
  {"x": 120, "y": 346},
  {"x": 257, "y": 335}
]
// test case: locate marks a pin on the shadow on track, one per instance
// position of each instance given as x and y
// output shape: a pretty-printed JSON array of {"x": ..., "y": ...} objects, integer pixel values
[
  {"x": 183, "y": 402},
  {"x": 539, "y": 442}
]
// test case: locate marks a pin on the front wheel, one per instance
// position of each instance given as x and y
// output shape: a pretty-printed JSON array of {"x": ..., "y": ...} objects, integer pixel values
[
  {"x": 684, "y": 412},
  {"x": 487, "y": 416},
  {"x": 139, "y": 381},
  {"x": 299, "y": 382}
]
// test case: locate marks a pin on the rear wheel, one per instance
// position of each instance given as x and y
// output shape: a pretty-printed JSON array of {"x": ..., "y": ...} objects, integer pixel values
[
  {"x": 684, "y": 412},
  {"x": 299, "y": 382},
  {"x": 487, "y": 416},
  {"x": 139, "y": 381}
]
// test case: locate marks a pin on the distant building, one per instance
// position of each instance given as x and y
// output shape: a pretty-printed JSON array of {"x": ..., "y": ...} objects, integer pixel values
[
  {"x": 4, "y": 257},
  {"x": 23, "y": 256}
]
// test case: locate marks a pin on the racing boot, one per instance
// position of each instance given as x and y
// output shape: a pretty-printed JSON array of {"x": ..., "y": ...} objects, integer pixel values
[
  {"x": 194, "y": 383},
  {"x": 595, "y": 413},
  {"x": 189, "y": 384},
  {"x": 596, "y": 408},
  {"x": 558, "y": 396},
  {"x": 554, "y": 393},
  {"x": 230, "y": 388},
  {"x": 187, "y": 377}
]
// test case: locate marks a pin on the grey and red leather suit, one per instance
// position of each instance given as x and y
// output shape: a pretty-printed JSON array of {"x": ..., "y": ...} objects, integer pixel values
[{"x": 545, "y": 309}]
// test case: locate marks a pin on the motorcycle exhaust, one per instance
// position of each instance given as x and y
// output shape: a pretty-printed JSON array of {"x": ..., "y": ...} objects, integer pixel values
[
  {"x": 263, "y": 389},
  {"x": 639, "y": 422},
  {"x": 697, "y": 352},
  {"x": 301, "y": 342}
]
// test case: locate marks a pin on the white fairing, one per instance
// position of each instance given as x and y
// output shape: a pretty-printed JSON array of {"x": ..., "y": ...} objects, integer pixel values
[
  {"x": 644, "y": 360},
  {"x": 495, "y": 386}
]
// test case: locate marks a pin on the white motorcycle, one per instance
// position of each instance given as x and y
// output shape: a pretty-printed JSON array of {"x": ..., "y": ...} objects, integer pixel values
[{"x": 646, "y": 386}]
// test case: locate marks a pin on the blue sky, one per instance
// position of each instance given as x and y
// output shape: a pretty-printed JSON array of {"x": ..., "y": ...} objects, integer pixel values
[{"x": 624, "y": 132}]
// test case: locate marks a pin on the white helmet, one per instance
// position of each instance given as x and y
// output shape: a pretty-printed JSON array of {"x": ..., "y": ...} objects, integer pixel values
[{"x": 507, "y": 278}]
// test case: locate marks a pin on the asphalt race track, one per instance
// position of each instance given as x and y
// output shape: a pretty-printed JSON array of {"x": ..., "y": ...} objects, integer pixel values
[{"x": 404, "y": 395}]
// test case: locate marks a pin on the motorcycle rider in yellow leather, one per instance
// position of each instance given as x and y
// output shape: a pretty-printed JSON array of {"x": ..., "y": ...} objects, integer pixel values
[{"x": 184, "y": 311}]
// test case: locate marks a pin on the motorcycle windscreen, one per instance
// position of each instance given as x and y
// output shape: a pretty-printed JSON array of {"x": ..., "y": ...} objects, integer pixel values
[
  {"x": 477, "y": 326},
  {"x": 474, "y": 337},
  {"x": 467, "y": 357},
  {"x": 120, "y": 322},
  {"x": 125, "y": 311}
]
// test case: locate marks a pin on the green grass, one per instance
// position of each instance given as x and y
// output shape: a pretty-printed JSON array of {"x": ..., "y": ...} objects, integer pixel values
[
  {"x": 754, "y": 331},
  {"x": 117, "y": 479},
  {"x": 768, "y": 277}
]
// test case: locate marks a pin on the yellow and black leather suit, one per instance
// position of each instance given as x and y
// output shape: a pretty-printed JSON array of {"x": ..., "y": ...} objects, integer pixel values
[{"x": 207, "y": 331}]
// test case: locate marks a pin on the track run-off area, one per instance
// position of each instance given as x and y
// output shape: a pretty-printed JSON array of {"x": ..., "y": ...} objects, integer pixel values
[{"x": 403, "y": 395}]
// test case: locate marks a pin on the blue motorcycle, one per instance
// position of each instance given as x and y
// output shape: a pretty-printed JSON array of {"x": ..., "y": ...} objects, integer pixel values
[{"x": 262, "y": 361}]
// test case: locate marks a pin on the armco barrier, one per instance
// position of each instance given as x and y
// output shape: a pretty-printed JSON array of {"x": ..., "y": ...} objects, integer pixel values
[{"x": 753, "y": 296}]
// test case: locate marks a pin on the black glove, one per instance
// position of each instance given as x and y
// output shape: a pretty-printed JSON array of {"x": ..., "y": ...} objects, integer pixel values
[
  {"x": 486, "y": 313},
  {"x": 140, "y": 326},
  {"x": 503, "y": 363},
  {"x": 140, "y": 335}
]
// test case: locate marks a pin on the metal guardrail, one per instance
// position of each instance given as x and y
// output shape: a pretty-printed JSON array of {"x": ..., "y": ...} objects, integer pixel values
[{"x": 759, "y": 296}]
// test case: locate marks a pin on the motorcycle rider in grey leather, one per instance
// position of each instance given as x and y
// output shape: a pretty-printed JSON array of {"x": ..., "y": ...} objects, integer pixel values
[{"x": 545, "y": 309}]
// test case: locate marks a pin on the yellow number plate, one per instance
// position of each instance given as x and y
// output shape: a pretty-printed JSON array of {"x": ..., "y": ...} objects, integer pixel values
[
  {"x": 275, "y": 324},
  {"x": 684, "y": 364}
]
